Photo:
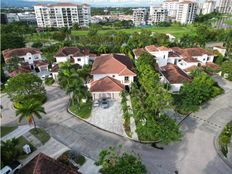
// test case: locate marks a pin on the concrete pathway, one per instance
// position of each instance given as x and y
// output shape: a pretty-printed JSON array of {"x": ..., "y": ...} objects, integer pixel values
[
  {"x": 89, "y": 167},
  {"x": 52, "y": 148},
  {"x": 132, "y": 120},
  {"x": 17, "y": 132},
  {"x": 109, "y": 118}
]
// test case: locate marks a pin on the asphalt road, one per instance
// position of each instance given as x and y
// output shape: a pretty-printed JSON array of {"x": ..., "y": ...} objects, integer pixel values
[{"x": 194, "y": 154}]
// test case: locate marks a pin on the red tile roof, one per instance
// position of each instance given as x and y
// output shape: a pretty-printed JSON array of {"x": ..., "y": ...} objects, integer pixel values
[
  {"x": 212, "y": 65},
  {"x": 190, "y": 59},
  {"x": 55, "y": 68},
  {"x": 191, "y": 68},
  {"x": 8, "y": 53},
  {"x": 151, "y": 48},
  {"x": 137, "y": 52},
  {"x": 106, "y": 84},
  {"x": 20, "y": 69},
  {"x": 113, "y": 64},
  {"x": 76, "y": 52},
  {"x": 191, "y": 52},
  {"x": 43, "y": 164},
  {"x": 162, "y": 48},
  {"x": 174, "y": 74},
  {"x": 40, "y": 63}
]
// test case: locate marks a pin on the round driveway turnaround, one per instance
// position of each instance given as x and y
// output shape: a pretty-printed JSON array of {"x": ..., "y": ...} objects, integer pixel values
[{"x": 195, "y": 154}]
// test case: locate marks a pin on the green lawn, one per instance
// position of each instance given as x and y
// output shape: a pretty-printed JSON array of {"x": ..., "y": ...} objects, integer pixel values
[
  {"x": 85, "y": 109},
  {"x": 41, "y": 134},
  {"x": 177, "y": 31},
  {"x": 21, "y": 143},
  {"x": 228, "y": 22},
  {"x": 6, "y": 130}
]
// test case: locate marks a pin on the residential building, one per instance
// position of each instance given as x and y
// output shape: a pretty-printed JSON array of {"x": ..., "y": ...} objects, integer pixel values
[
  {"x": 137, "y": 52},
  {"x": 157, "y": 14},
  {"x": 28, "y": 55},
  {"x": 43, "y": 164},
  {"x": 174, "y": 76},
  {"x": 186, "y": 12},
  {"x": 220, "y": 49},
  {"x": 225, "y": 6},
  {"x": 27, "y": 17},
  {"x": 74, "y": 55},
  {"x": 171, "y": 6},
  {"x": 208, "y": 6},
  {"x": 12, "y": 17},
  {"x": 140, "y": 16},
  {"x": 62, "y": 15},
  {"x": 111, "y": 74},
  {"x": 30, "y": 61}
]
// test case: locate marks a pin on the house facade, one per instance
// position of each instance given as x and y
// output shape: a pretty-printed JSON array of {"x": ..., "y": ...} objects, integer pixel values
[
  {"x": 74, "y": 55},
  {"x": 111, "y": 74}
]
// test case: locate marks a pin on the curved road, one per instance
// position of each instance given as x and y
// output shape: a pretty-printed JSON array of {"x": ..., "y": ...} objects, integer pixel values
[{"x": 194, "y": 154}]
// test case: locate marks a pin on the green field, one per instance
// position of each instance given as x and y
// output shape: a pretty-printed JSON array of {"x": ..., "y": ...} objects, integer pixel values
[
  {"x": 177, "y": 31},
  {"x": 228, "y": 22},
  {"x": 6, "y": 130}
]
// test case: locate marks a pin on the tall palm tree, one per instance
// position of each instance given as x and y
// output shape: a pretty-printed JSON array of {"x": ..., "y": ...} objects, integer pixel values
[{"x": 28, "y": 110}]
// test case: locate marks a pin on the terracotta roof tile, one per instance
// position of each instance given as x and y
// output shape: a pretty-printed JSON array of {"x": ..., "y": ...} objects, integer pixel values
[
  {"x": 113, "y": 64},
  {"x": 55, "y": 68},
  {"x": 106, "y": 84},
  {"x": 174, "y": 74},
  {"x": 9, "y": 53},
  {"x": 40, "y": 63},
  {"x": 162, "y": 48},
  {"x": 212, "y": 65},
  {"x": 191, "y": 68},
  {"x": 151, "y": 48},
  {"x": 43, "y": 164},
  {"x": 76, "y": 52},
  {"x": 137, "y": 52}
]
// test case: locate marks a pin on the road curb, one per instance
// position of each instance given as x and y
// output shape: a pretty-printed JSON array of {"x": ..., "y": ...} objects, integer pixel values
[
  {"x": 217, "y": 148},
  {"x": 143, "y": 142}
]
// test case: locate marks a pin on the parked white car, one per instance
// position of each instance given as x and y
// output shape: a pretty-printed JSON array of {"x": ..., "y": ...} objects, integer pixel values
[{"x": 11, "y": 168}]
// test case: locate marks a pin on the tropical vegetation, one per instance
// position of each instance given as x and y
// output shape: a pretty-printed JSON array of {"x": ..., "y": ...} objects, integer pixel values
[
  {"x": 225, "y": 138},
  {"x": 115, "y": 162}
]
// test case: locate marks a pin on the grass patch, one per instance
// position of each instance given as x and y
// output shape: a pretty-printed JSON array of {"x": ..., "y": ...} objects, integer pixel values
[
  {"x": 84, "y": 111},
  {"x": 229, "y": 22},
  {"x": 224, "y": 138},
  {"x": 41, "y": 134},
  {"x": 21, "y": 142},
  {"x": 126, "y": 125},
  {"x": 176, "y": 30},
  {"x": 6, "y": 130}
]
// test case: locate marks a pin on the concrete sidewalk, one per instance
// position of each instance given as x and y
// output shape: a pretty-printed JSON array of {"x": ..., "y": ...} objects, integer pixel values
[
  {"x": 21, "y": 130},
  {"x": 89, "y": 167}
]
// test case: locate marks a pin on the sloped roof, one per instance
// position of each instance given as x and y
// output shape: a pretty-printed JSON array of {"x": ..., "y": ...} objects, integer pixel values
[
  {"x": 76, "y": 52},
  {"x": 137, "y": 52},
  {"x": 151, "y": 48},
  {"x": 55, "y": 68},
  {"x": 191, "y": 52},
  {"x": 113, "y": 64},
  {"x": 9, "y": 53},
  {"x": 212, "y": 65},
  {"x": 18, "y": 70},
  {"x": 40, "y": 63},
  {"x": 43, "y": 164},
  {"x": 174, "y": 74},
  {"x": 106, "y": 84}
]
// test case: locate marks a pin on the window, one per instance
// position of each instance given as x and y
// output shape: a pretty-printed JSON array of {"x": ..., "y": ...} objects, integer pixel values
[
  {"x": 78, "y": 59},
  {"x": 29, "y": 58},
  {"x": 126, "y": 78},
  {"x": 113, "y": 75}
]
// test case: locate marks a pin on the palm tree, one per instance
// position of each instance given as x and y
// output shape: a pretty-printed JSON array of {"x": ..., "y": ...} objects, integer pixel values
[{"x": 29, "y": 109}]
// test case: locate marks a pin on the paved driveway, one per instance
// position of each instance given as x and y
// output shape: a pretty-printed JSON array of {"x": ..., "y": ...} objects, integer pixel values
[
  {"x": 110, "y": 118},
  {"x": 195, "y": 154}
]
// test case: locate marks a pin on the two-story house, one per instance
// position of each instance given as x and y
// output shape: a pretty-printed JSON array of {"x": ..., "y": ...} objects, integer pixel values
[
  {"x": 74, "y": 55},
  {"x": 111, "y": 74}
]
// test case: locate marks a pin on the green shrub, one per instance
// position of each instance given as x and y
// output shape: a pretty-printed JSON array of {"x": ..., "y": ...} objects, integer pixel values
[
  {"x": 224, "y": 138},
  {"x": 49, "y": 81}
]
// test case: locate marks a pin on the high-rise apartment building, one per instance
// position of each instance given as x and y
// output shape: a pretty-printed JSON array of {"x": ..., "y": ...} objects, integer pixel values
[
  {"x": 225, "y": 6},
  {"x": 157, "y": 14},
  {"x": 208, "y": 6},
  {"x": 62, "y": 15},
  {"x": 171, "y": 6},
  {"x": 186, "y": 12},
  {"x": 140, "y": 16}
]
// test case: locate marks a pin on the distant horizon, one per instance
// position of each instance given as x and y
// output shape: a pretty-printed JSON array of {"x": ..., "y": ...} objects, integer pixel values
[{"x": 93, "y": 3}]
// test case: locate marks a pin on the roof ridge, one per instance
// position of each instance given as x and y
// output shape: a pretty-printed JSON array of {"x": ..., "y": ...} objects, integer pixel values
[
  {"x": 114, "y": 80},
  {"x": 35, "y": 168},
  {"x": 119, "y": 62}
]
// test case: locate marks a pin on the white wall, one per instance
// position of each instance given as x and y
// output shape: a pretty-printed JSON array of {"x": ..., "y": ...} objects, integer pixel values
[
  {"x": 176, "y": 87},
  {"x": 62, "y": 59},
  {"x": 55, "y": 75},
  {"x": 99, "y": 95},
  {"x": 183, "y": 65},
  {"x": 82, "y": 60},
  {"x": 115, "y": 76},
  {"x": 161, "y": 57},
  {"x": 30, "y": 58},
  {"x": 220, "y": 50}
]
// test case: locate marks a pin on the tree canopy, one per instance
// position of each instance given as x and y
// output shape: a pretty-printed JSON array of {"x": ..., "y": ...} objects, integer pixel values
[{"x": 25, "y": 86}]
